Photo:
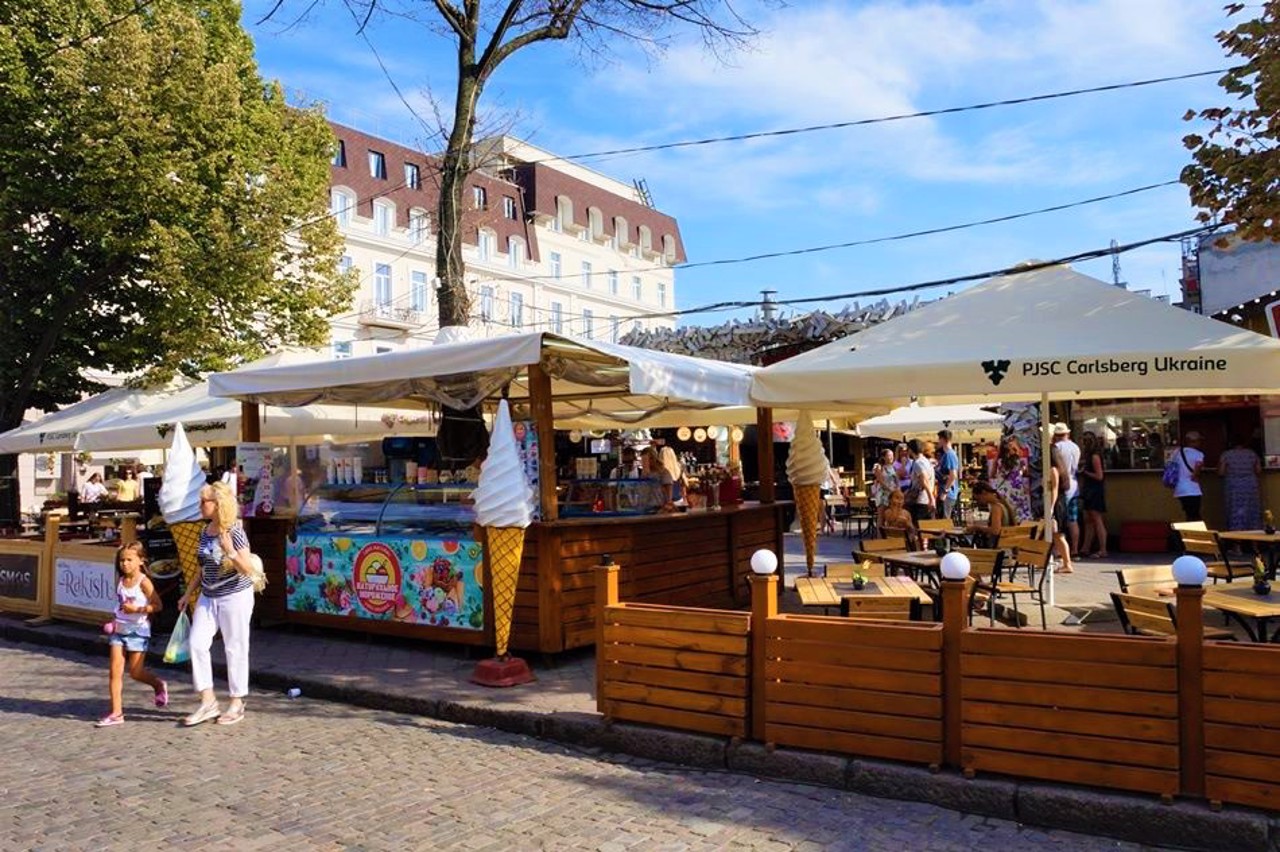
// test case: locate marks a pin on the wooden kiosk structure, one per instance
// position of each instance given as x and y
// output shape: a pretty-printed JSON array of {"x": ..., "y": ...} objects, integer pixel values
[{"x": 689, "y": 559}]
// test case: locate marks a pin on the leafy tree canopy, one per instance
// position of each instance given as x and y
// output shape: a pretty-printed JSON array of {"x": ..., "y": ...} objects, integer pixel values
[
  {"x": 1235, "y": 174},
  {"x": 162, "y": 209}
]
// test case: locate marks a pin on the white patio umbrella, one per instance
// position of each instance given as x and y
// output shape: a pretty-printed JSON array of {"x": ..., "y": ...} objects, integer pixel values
[
  {"x": 967, "y": 422},
  {"x": 58, "y": 431}
]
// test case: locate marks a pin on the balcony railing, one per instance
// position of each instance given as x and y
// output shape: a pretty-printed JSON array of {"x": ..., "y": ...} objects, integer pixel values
[{"x": 389, "y": 316}]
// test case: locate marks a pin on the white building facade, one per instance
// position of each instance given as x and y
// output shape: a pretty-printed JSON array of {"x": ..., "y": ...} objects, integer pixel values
[{"x": 548, "y": 245}]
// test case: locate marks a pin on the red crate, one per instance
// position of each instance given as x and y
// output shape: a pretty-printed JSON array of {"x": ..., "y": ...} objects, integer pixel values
[{"x": 1144, "y": 537}]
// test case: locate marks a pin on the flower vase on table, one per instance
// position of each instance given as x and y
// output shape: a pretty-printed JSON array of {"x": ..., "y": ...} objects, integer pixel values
[{"x": 1260, "y": 584}]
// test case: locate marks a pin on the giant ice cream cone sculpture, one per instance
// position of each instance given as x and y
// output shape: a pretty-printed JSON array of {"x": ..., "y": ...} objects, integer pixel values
[
  {"x": 503, "y": 503},
  {"x": 807, "y": 470},
  {"x": 179, "y": 500}
]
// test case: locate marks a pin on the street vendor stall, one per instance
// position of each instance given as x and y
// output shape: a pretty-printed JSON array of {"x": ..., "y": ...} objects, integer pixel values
[{"x": 402, "y": 558}]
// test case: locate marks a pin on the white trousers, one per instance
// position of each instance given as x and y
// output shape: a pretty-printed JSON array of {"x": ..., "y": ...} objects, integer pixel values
[{"x": 229, "y": 615}]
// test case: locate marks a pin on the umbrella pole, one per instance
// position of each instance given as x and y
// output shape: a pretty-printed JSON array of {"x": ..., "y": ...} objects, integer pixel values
[{"x": 1045, "y": 439}]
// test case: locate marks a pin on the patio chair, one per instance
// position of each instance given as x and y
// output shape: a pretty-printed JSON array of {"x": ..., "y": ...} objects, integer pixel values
[
  {"x": 986, "y": 566},
  {"x": 975, "y": 599},
  {"x": 844, "y": 571},
  {"x": 1205, "y": 544},
  {"x": 1141, "y": 616},
  {"x": 1146, "y": 580},
  {"x": 883, "y": 607},
  {"x": 859, "y": 514},
  {"x": 1195, "y": 526},
  {"x": 880, "y": 545},
  {"x": 1034, "y": 556}
]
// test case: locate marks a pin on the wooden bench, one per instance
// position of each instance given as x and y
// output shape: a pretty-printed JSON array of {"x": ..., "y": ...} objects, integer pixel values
[{"x": 1154, "y": 617}]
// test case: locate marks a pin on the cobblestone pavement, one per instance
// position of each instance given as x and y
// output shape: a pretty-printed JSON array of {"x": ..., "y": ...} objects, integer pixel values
[{"x": 307, "y": 774}]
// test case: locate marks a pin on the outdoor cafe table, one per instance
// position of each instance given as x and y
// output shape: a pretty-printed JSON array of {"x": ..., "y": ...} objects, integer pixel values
[
  {"x": 1261, "y": 540},
  {"x": 921, "y": 561},
  {"x": 819, "y": 591},
  {"x": 1240, "y": 602}
]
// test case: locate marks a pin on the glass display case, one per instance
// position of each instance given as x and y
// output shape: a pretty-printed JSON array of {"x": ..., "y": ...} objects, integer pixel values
[
  {"x": 611, "y": 497},
  {"x": 389, "y": 509}
]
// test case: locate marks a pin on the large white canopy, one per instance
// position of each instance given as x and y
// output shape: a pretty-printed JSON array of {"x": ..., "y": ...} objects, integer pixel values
[
  {"x": 966, "y": 422},
  {"x": 601, "y": 382},
  {"x": 57, "y": 432},
  {"x": 1051, "y": 331}
]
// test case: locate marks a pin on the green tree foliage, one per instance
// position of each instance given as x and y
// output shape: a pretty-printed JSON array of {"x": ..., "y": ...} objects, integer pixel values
[
  {"x": 162, "y": 209},
  {"x": 1235, "y": 176}
]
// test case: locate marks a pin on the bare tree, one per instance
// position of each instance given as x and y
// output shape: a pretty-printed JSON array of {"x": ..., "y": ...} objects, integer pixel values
[{"x": 488, "y": 32}]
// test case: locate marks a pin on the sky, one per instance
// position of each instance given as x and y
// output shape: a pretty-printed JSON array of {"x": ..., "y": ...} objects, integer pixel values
[{"x": 821, "y": 62}]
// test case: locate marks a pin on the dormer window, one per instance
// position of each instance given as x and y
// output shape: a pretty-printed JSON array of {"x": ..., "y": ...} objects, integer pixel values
[
  {"x": 479, "y": 198},
  {"x": 377, "y": 165},
  {"x": 509, "y": 207},
  {"x": 340, "y": 155},
  {"x": 384, "y": 215},
  {"x": 412, "y": 176}
]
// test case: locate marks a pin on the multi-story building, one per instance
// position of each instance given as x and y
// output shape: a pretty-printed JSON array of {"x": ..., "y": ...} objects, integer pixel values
[{"x": 547, "y": 245}]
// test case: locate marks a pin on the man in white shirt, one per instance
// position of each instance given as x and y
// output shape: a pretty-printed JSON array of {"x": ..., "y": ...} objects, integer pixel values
[
  {"x": 1190, "y": 460},
  {"x": 1070, "y": 452},
  {"x": 923, "y": 483}
]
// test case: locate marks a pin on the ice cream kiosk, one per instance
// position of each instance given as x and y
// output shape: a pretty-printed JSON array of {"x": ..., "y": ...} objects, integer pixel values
[{"x": 424, "y": 558}]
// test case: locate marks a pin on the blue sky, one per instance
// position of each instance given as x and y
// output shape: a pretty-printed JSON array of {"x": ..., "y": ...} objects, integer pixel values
[{"x": 822, "y": 62}]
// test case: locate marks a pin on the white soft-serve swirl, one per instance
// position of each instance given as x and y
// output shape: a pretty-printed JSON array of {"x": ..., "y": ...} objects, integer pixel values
[
  {"x": 503, "y": 497},
  {"x": 807, "y": 463},
  {"x": 179, "y": 495}
]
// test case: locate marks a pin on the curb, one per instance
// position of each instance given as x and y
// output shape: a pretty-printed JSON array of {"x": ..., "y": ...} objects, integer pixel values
[{"x": 1185, "y": 824}]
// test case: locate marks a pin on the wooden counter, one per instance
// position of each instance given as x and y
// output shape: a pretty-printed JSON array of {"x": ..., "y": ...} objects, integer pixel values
[{"x": 686, "y": 559}]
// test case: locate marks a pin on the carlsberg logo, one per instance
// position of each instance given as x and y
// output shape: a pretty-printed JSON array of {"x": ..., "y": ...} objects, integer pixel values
[{"x": 1135, "y": 366}]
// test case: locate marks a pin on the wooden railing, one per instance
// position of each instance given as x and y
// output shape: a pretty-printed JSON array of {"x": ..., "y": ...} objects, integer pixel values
[{"x": 1168, "y": 716}]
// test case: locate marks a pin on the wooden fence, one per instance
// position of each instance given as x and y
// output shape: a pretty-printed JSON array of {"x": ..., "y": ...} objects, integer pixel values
[{"x": 1167, "y": 716}]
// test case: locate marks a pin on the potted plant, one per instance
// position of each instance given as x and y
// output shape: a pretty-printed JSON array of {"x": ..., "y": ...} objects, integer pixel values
[
  {"x": 1260, "y": 584},
  {"x": 859, "y": 581},
  {"x": 1267, "y": 526}
]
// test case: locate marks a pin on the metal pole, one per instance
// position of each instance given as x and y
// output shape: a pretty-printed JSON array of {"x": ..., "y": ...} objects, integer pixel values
[{"x": 1046, "y": 438}]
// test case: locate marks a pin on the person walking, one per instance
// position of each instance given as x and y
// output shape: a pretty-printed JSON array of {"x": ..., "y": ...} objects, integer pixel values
[
  {"x": 225, "y": 606},
  {"x": 1010, "y": 479},
  {"x": 1093, "y": 499},
  {"x": 127, "y": 490},
  {"x": 1240, "y": 468},
  {"x": 1059, "y": 476},
  {"x": 129, "y": 632},
  {"x": 922, "y": 493},
  {"x": 1071, "y": 459},
  {"x": 1189, "y": 460}
]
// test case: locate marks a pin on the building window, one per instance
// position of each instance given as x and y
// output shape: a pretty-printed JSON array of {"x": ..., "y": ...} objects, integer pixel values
[
  {"x": 662, "y": 294},
  {"x": 419, "y": 221},
  {"x": 485, "y": 244},
  {"x": 341, "y": 349},
  {"x": 345, "y": 264},
  {"x": 585, "y": 235},
  {"x": 588, "y": 323},
  {"x": 418, "y": 290},
  {"x": 555, "y": 265},
  {"x": 554, "y": 226},
  {"x": 479, "y": 198},
  {"x": 382, "y": 285},
  {"x": 586, "y": 274},
  {"x": 383, "y": 216},
  {"x": 637, "y": 291},
  {"x": 377, "y": 165},
  {"x": 557, "y": 318},
  {"x": 509, "y": 207},
  {"x": 515, "y": 252},
  {"x": 614, "y": 322},
  {"x": 613, "y": 282},
  {"x": 340, "y": 205},
  {"x": 340, "y": 155},
  {"x": 486, "y": 303},
  {"x": 412, "y": 177},
  {"x": 564, "y": 213},
  {"x": 517, "y": 310}
]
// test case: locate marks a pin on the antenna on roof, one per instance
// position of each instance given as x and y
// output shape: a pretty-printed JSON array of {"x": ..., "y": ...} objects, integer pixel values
[
  {"x": 1115, "y": 265},
  {"x": 767, "y": 306}
]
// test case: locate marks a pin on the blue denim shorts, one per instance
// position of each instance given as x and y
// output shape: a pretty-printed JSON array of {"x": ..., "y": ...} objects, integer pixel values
[
  {"x": 1073, "y": 509},
  {"x": 131, "y": 642}
]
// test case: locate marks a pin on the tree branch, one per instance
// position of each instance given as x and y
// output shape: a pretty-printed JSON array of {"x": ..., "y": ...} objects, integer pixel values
[{"x": 453, "y": 17}]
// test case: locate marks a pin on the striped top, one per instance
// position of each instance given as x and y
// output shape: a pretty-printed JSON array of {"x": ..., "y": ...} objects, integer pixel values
[{"x": 213, "y": 582}]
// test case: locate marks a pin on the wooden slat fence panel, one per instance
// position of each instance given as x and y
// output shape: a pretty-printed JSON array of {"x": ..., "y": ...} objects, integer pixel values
[
  {"x": 1099, "y": 710},
  {"x": 1242, "y": 723},
  {"x": 871, "y": 689},
  {"x": 675, "y": 667}
]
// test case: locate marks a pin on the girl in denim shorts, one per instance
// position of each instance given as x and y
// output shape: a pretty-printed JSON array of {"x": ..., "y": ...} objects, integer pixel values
[{"x": 130, "y": 631}]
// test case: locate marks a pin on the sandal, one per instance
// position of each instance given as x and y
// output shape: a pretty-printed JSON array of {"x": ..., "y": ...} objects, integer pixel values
[
  {"x": 110, "y": 720},
  {"x": 162, "y": 695},
  {"x": 203, "y": 714},
  {"x": 232, "y": 716}
]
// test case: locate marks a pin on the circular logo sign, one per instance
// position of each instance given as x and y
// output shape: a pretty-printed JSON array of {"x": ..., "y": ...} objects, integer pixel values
[
  {"x": 684, "y": 433},
  {"x": 377, "y": 577}
]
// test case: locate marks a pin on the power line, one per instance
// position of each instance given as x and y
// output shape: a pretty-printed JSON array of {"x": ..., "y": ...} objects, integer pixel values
[{"x": 863, "y": 122}]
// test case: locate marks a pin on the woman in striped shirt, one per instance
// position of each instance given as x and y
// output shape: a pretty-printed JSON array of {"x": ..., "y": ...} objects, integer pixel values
[{"x": 225, "y": 605}]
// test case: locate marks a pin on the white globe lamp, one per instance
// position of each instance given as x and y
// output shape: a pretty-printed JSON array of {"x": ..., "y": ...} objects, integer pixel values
[
  {"x": 1189, "y": 570},
  {"x": 955, "y": 566},
  {"x": 764, "y": 562}
]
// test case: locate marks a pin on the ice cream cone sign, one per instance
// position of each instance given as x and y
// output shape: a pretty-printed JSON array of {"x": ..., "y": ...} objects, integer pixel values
[
  {"x": 504, "y": 508},
  {"x": 807, "y": 470},
  {"x": 179, "y": 500}
]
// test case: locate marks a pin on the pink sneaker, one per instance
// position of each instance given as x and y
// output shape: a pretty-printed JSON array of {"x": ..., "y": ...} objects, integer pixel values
[
  {"x": 162, "y": 695},
  {"x": 110, "y": 720}
]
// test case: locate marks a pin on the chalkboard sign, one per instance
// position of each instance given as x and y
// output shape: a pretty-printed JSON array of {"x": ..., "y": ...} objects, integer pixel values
[{"x": 19, "y": 575}]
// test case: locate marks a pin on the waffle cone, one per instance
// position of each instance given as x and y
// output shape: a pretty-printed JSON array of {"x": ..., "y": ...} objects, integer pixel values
[
  {"x": 505, "y": 547},
  {"x": 186, "y": 538},
  {"x": 809, "y": 506}
]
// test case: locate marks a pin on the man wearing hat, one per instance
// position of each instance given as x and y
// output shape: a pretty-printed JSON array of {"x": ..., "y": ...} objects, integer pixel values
[{"x": 1070, "y": 451}]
